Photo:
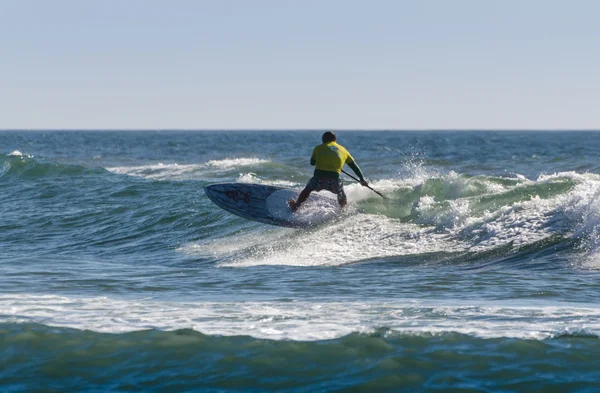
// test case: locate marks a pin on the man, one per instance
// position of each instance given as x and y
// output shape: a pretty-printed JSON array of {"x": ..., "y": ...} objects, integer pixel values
[{"x": 329, "y": 159}]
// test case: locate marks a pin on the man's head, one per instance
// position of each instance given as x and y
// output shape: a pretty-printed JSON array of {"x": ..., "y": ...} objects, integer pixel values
[{"x": 329, "y": 136}]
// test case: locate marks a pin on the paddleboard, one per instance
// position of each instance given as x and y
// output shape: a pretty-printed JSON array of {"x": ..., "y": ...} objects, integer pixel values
[{"x": 270, "y": 204}]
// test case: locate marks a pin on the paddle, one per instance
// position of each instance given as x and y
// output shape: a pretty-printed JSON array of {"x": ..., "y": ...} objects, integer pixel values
[{"x": 369, "y": 187}]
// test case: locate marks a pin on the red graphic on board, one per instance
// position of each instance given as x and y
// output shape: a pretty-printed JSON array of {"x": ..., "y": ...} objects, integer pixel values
[{"x": 237, "y": 195}]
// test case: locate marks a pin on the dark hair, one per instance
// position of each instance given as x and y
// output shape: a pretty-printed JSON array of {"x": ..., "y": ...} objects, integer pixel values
[{"x": 329, "y": 136}]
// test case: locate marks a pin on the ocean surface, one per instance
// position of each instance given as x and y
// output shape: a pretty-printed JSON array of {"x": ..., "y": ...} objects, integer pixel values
[{"x": 479, "y": 273}]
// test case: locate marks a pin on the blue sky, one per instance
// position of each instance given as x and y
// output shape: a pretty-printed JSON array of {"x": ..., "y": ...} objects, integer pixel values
[{"x": 282, "y": 64}]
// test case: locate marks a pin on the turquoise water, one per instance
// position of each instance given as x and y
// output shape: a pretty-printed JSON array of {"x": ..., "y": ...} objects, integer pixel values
[{"x": 479, "y": 273}]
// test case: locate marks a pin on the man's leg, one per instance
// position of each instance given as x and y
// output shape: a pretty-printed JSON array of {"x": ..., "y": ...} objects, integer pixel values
[
  {"x": 312, "y": 185},
  {"x": 301, "y": 198},
  {"x": 341, "y": 195}
]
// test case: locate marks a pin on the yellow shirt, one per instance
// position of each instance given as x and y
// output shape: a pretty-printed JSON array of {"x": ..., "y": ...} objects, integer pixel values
[{"x": 330, "y": 158}]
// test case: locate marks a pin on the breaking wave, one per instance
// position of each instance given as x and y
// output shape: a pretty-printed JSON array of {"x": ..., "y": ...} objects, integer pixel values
[{"x": 459, "y": 215}]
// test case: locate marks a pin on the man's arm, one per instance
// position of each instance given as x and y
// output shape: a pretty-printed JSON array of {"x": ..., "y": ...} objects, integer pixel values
[{"x": 358, "y": 172}]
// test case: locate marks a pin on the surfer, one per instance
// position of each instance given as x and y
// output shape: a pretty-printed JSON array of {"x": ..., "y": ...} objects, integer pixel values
[{"x": 329, "y": 159}]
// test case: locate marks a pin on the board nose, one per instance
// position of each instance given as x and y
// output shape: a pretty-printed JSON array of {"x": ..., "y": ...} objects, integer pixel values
[{"x": 213, "y": 191}]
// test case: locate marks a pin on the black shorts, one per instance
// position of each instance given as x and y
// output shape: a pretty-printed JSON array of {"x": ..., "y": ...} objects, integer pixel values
[{"x": 334, "y": 185}]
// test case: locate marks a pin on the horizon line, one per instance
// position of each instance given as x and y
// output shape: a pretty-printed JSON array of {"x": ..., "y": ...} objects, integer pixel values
[{"x": 303, "y": 129}]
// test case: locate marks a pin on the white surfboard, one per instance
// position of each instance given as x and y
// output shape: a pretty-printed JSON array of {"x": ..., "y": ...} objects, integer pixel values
[{"x": 270, "y": 204}]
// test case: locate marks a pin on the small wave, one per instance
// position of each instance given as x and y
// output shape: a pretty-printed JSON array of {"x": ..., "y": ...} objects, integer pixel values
[
  {"x": 22, "y": 166},
  {"x": 174, "y": 171},
  {"x": 17, "y": 153}
]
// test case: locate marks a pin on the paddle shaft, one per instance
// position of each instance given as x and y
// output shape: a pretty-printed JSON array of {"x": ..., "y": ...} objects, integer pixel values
[{"x": 369, "y": 187}]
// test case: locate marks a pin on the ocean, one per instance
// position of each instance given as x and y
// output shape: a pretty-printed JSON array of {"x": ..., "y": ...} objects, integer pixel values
[{"x": 479, "y": 273}]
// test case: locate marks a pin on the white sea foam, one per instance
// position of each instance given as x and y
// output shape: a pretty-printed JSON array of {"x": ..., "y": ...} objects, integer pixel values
[
  {"x": 231, "y": 163},
  {"x": 161, "y": 171},
  {"x": 581, "y": 208},
  {"x": 18, "y": 153},
  {"x": 355, "y": 237},
  {"x": 450, "y": 214},
  {"x": 518, "y": 224},
  {"x": 253, "y": 178},
  {"x": 306, "y": 320},
  {"x": 229, "y": 247}
]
